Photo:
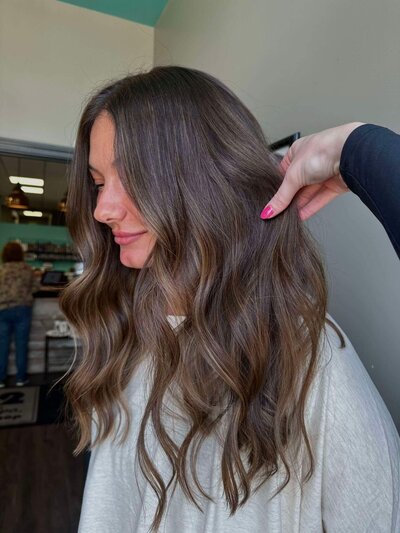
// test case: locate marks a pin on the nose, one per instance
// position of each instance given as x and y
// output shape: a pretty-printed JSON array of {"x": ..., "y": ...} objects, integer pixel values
[{"x": 109, "y": 207}]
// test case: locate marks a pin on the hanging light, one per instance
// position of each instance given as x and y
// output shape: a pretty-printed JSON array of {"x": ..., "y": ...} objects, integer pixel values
[
  {"x": 62, "y": 204},
  {"x": 17, "y": 199}
]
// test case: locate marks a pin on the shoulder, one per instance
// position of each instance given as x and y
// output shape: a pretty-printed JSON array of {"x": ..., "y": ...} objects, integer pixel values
[
  {"x": 345, "y": 411},
  {"x": 346, "y": 403},
  {"x": 341, "y": 371},
  {"x": 342, "y": 363},
  {"x": 357, "y": 444},
  {"x": 24, "y": 267}
]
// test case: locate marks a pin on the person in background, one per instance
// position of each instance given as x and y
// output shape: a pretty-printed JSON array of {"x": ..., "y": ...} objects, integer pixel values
[
  {"x": 213, "y": 390},
  {"x": 17, "y": 285},
  {"x": 363, "y": 158}
]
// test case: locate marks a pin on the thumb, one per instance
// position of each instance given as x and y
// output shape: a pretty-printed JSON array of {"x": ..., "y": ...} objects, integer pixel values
[{"x": 280, "y": 201}]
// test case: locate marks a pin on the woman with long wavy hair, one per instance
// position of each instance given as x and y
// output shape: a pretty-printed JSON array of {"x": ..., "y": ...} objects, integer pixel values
[{"x": 214, "y": 392}]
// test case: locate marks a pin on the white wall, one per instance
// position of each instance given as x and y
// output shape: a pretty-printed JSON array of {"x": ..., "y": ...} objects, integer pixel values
[
  {"x": 308, "y": 66},
  {"x": 51, "y": 56}
]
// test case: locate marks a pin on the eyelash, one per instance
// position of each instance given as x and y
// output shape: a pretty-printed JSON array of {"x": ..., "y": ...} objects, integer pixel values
[{"x": 97, "y": 186}]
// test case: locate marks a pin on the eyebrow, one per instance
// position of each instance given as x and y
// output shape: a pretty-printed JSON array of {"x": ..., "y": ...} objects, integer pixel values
[{"x": 91, "y": 167}]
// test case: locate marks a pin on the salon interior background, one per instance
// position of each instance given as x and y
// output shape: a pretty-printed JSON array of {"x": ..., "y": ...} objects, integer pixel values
[{"x": 298, "y": 66}]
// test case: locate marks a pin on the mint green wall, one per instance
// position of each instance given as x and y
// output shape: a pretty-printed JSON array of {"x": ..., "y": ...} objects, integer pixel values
[
  {"x": 32, "y": 233},
  {"x": 36, "y": 233},
  {"x": 142, "y": 11}
]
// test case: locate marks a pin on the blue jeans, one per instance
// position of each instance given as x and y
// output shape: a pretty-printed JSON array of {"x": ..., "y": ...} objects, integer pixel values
[{"x": 17, "y": 321}]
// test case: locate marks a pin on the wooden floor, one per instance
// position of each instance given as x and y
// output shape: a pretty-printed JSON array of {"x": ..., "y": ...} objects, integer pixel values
[{"x": 41, "y": 482}]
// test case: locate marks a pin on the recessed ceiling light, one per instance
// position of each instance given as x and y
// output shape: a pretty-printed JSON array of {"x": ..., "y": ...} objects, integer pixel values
[
  {"x": 33, "y": 213},
  {"x": 38, "y": 182},
  {"x": 32, "y": 190}
]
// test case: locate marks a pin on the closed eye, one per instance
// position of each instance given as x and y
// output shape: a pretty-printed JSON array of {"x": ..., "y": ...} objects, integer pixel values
[{"x": 98, "y": 186}]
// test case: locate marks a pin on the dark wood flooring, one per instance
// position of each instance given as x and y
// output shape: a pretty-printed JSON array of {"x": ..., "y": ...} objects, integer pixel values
[{"x": 41, "y": 482}]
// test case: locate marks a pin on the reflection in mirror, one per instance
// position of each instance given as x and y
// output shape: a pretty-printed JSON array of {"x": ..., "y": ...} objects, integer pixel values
[
  {"x": 44, "y": 185},
  {"x": 33, "y": 188}
]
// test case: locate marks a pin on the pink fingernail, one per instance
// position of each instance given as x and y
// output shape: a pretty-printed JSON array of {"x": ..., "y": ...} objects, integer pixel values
[{"x": 267, "y": 212}]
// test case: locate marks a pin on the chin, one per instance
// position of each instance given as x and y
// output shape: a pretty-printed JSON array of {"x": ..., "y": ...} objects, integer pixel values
[
  {"x": 136, "y": 254},
  {"x": 132, "y": 259}
]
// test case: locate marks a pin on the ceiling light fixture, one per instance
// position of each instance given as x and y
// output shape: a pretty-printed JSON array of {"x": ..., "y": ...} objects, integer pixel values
[
  {"x": 32, "y": 190},
  {"x": 33, "y": 213},
  {"x": 36, "y": 182}
]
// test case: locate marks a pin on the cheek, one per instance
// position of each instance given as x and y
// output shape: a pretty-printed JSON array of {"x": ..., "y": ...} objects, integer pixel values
[{"x": 135, "y": 254}]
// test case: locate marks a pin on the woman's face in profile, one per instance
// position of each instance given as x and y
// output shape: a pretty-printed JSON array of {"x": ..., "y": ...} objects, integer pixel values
[{"x": 114, "y": 207}]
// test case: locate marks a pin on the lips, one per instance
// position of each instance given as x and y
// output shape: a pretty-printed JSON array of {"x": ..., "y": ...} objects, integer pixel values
[{"x": 121, "y": 237}]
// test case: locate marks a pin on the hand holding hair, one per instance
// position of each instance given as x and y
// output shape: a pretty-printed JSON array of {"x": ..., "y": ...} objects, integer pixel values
[{"x": 311, "y": 169}]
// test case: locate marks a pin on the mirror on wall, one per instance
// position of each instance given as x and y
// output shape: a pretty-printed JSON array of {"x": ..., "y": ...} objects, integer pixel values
[{"x": 33, "y": 183}]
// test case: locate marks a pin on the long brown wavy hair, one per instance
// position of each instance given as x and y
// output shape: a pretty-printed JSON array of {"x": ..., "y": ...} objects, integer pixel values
[{"x": 196, "y": 164}]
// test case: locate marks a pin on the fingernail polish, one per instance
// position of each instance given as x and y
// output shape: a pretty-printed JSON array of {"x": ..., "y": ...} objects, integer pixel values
[{"x": 267, "y": 212}]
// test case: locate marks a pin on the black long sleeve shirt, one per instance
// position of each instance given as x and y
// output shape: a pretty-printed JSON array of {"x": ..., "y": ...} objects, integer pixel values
[{"x": 370, "y": 166}]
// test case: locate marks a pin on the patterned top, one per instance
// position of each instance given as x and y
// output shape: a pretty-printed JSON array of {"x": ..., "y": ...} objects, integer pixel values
[{"x": 17, "y": 283}]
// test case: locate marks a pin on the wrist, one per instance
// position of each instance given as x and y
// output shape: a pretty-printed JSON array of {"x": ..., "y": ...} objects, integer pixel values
[{"x": 342, "y": 134}]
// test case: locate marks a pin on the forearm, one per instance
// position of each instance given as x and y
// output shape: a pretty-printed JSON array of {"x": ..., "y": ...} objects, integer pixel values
[{"x": 370, "y": 166}]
